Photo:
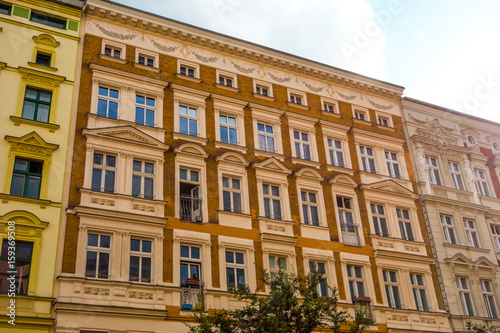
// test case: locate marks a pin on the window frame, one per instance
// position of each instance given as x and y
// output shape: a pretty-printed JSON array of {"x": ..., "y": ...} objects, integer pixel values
[
  {"x": 229, "y": 107},
  {"x": 188, "y": 65},
  {"x": 271, "y": 117},
  {"x": 8, "y": 261},
  {"x": 390, "y": 287},
  {"x": 359, "y": 110},
  {"x": 495, "y": 231},
  {"x": 192, "y": 98},
  {"x": 63, "y": 22},
  {"x": 434, "y": 171},
  {"x": 37, "y": 103},
  {"x": 104, "y": 169},
  {"x": 417, "y": 289},
  {"x": 143, "y": 176},
  {"x": 456, "y": 175},
  {"x": 481, "y": 181},
  {"x": 489, "y": 298},
  {"x": 384, "y": 116},
  {"x": 263, "y": 84},
  {"x": 296, "y": 98},
  {"x": 356, "y": 281},
  {"x": 404, "y": 222},
  {"x": 145, "y": 108},
  {"x": 146, "y": 55},
  {"x": 376, "y": 217},
  {"x": 235, "y": 267},
  {"x": 307, "y": 206},
  {"x": 114, "y": 46},
  {"x": 366, "y": 158},
  {"x": 471, "y": 233},
  {"x": 321, "y": 287},
  {"x": 27, "y": 176},
  {"x": 98, "y": 249},
  {"x": 463, "y": 290},
  {"x": 232, "y": 193},
  {"x": 141, "y": 254},
  {"x": 108, "y": 100},
  {"x": 329, "y": 104},
  {"x": 393, "y": 164},
  {"x": 448, "y": 229},
  {"x": 226, "y": 75}
]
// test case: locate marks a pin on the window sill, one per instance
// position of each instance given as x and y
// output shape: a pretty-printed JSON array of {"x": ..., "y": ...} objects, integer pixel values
[
  {"x": 42, "y": 202},
  {"x": 47, "y": 68},
  {"x": 467, "y": 247},
  {"x": 336, "y": 168},
  {"x": 225, "y": 145},
  {"x": 388, "y": 128},
  {"x": 149, "y": 68},
  {"x": 221, "y": 211},
  {"x": 222, "y": 86},
  {"x": 18, "y": 120},
  {"x": 119, "y": 60},
  {"x": 190, "y": 78},
  {"x": 267, "y": 98},
  {"x": 300, "y": 106},
  {"x": 265, "y": 153},
  {"x": 197, "y": 139},
  {"x": 359, "y": 121},
  {"x": 336, "y": 115},
  {"x": 313, "y": 164}
]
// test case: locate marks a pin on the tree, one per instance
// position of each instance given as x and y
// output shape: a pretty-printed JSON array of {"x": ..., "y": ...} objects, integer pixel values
[
  {"x": 476, "y": 328},
  {"x": 293, "y": 305}
]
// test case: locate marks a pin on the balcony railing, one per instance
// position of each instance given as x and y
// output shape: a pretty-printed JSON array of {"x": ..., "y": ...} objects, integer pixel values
[
  {"x": 350, "y": 234},
  {"x": 192, "y": 295},
  {"x": 190, "y": 209}
]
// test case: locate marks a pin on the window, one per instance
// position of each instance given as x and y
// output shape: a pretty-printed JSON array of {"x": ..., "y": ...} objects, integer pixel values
[
  {"x": 231, "y": 193},
  {"x": 228, "y": 130},
  {"x": 471, "y": 232},
  {"x": 37, "y": 104},
  {"x": 190, "y": 263},
  {"x": 456, "y": 176},
  {"x": 495, "y": 230},
  {"x": 26, "y": 178},
  {"x": 405, "y": 224},
  {"x": 21, "y": 254},
  {"x": 103, "y": 173},
  {"x": 433, "y": 170},
  {"x": 146, "y": 61},
  {"x": 226, "y": 80},
  {"x": 302, "y": 145},
  {"x": 275, "y": 264},
  {"x": 186, "y": 70},
  {"x": 345, "y": 210},
  {"x": 356, "y": 281},
  {"x": 489, "y": 298},
  {"x": 367, "y": 159},
  {"x": 336, "y": 152},
  {"x": 360, "y": 113},
  {"x": 309, "y": 207},
  {"x": 113, "y": 51},
  {"x": 465, "y": 295},
  {"x": 188, "y": 121},
  {"x": 190, "y": 201},
  {"x": 419, "y": 295},
  {"x": 145, "y": 110},
  {"x": 349, "y": 229},
  {"x": 330, "y": 107},
  {"x": 266, "y": 137},
  {"x": 48, "y": 20},
  {"x": 392, "y": 289},
  {"x": 98, "y": 253},
  {"x": 482, "y": 186},
  {"x": 43, "y": 59},
  {"x": 272, "y": 201},
  {"x": 140, "y": 260},
  {"x": 322, "y": 287},
  {"x": 379, "y": 221},
  {"x": 235, "y": 269},
  {"x": 107, "y": 103},
  {"x": 295, "y": 98},
  {"x": 5, "y": 9},
  {"x": 392, "y": 164},
  {"x": 261, "y": 90},
  {"x": 143, "y": 180},
  {"x": 384, "y": 121},
  {"x": 448, "y": 229}
]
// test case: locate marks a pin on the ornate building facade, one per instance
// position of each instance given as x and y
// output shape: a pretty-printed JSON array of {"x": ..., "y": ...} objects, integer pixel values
[
  {"x": 39, "y": 48},
  {"x": 457, "y": 158}
]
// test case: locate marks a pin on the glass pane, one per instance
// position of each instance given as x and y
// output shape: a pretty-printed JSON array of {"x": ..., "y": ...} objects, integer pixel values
[
  {"x": 236, "y": 184},
  {"x": 277, "y": 209},
  {"x": 139, "y": 115},
  {"x": 184, "y": 251},
  {"x": 146, "y": 270},
  {"x": 226, "y": 198},
  {"x": 272, "y": 262},
  {"x": 17, "y": 185},
  {"x": 239, "y": 258},
  {"x": 265, "y": 189},
  {"x": 92, "y": 240},
  {"x": 296, "y": 135},
  {"x": 193, "y": 127},
  {"x": 33, "y": 189},
  {"x": 270, "y": 144},
  {"x": 139, "y": 99},
  {"x": 275, "y": 191},
  {"x": 193, "y": 112},
  {"x": 231, "y": 121},
  {"x": 237, "y": 202},
  {"x": 182, "y": 110},
  {"x": 113, "y": 110},
  {"x": 109, "y": 181},
  {"x": 305, "y": 137},
  {"x": 230, "y": 256},
  {"x": 223, "y": 134},
  {"x": 28, "y": 110},
  {"x": 134, "y": 268},
  {"x": 357, "y": 272},
  {"x": 113, "y": 93},
  {"x": 45, "y": 96},
  {"x": 194, "y": 176},
  {"x": 146, "y": 246},
  {"x": 149, "y": 168},
  {"x": 91, "y": 264},
  {"x": 183, "y": 174},
  {"x": 150, "y": 101},
  {"x": 20, "y": 164},
  {"x": 312, "y": 197},
  {"x": 184, "y": 272},
  {"x": 24, "y": 250},
  {"x": 105, "y": 241},
  {"x": 103, "y": 265},
  {"x": 136, "y": 185},
  {"x": 150, "y": 118},
  {"x": 30, "y": 93},
  {"x": 269, "y": 129},
  {"x": 195, "y": 272},
  {"x": 230, "y": 278},
  {"x": 232, "y": 136},
  {"x": 135, "y": 245},
  {"x": 267, "y": 207},
  {"x": 43, "y": 113},
  {"x": 195, "y": 252},
  {"x": 240, "y": 276},
  {"x": 314, "y": 215},
  {"x": 260, "y": 127},
  {"x": 103, "y": 91}
]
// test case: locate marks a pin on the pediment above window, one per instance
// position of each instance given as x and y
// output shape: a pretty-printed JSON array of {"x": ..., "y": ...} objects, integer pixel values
[
  {"x": 233, "y": 158},
  {"x": 191, "y": 149},
  {"x": 341, "y": 179},
  {"x": 272, "y": 164},
  {"x": 391, "y": 187},
  {"x": 31, "y": 143},
  {"x": 127, "y": 134},
  {"x": 309, "y": 173},
  {"x": 432, "y": 129}
]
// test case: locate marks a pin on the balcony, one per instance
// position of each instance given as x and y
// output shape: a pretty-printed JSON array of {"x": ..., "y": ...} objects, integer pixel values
[
  {"x": 350, "y": 234},
  {"x": 363, "y": 310},
  {"x": 192, "y": 295},
  {"x": 190, "y": 209}
]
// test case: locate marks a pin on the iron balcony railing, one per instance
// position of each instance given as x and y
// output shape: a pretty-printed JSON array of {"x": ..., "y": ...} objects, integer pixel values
[
  {"x": 190, "y": 209},
  {"x": 192, "y": 295},
  {"x": 350, "y": 234}
]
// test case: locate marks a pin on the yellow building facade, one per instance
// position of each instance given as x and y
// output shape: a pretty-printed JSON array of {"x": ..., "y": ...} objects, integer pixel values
[{"x": 38, "y": 56}]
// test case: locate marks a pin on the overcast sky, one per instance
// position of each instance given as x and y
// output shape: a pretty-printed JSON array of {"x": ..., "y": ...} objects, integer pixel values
[{"x": 445, "y": 52}]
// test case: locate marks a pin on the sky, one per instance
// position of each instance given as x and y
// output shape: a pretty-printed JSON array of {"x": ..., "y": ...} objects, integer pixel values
[{"x": 444, "y": 52}]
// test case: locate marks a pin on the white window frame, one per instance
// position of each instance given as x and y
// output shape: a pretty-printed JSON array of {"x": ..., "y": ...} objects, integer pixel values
[
  {"x": 471, "y": 232},
  {"x": 297, "y": 94},
  {"x": 113, "y": 46},
  {"x": 384, "y": 116},
  {"x": 229, "y": 107},
  {"x": 463, "y": 288},
  {"x": 272, "y": 198},
  {"x": 229, "y": 166},
  {"x": 482, "y": 182},
  {"x": 245, "y": 246},
  {"x": 334, "y": 131},
  {"x": 143, "y": 175},
  {"x": 232, "y": 191},
  {"x": 275, "y": 178},
  {"x": 358, "y": 110},
  {"x": 456, "y": 175},
  {"x": 263, "y": 84},
  {"x": 324, "y": 276},
  {"x": 191, "y": 98},
  {"x": 324, "y": 256},
  {"x": 448, "y": 228},
  {"x": 103, "y": 169},
  {"x": 236, "y": 266},
  {"x": 377, "y": 216},
  {"x": 495, "y": 231},
  {"x": 417, "y": 301},
  {"x": 405, "y": 222},
  {"x": 391, "y": 163},
  {"x": 434, "y": 173},
  {"x": 303, "y": 124},
  {"x": 311, "y": 186},
  {"x": 109, "y": 99},
  {"x": 98, "y": 249},
  {"x": 363, "y": 152},
  {"x": 272, "y": 117},
  {"x": 489, "y": 298},
  {"x": 227, "y": 75},
  {"x": 330, "y": 105},
  {"x": 387, "y": 281},
  {"x": 192, "y": 238},
  {"x": 141, "y": 254},
  {"x": 188, "y": 65},
  {"x": 146, "y": 54},
  {"x": 146, "y": 108},
  {"x": 333, "y": 151}
]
